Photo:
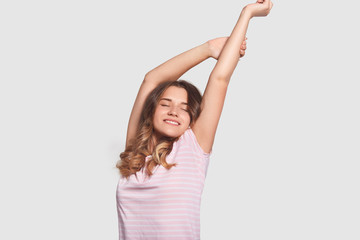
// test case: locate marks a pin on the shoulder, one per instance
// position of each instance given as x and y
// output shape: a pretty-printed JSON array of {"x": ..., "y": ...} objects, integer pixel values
[{"x": 189, "y": 138}]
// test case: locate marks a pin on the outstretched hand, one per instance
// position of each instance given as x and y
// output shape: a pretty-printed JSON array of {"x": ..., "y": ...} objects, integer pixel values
[
  {"x": 216, "y": 45},
  {"x": 259, "y": 9}
]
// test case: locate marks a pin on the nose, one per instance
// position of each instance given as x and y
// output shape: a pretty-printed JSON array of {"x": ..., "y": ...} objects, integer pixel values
[{"x": 173, "y": 111}]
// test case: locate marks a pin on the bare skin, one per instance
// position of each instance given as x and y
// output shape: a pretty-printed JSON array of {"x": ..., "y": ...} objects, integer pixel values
[
  {"x": 226, "y": 51},
  {"x": 173, "y": 69}
]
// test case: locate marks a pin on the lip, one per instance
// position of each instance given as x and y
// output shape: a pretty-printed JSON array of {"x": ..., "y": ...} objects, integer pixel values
[{"x": 172, "y": 121}]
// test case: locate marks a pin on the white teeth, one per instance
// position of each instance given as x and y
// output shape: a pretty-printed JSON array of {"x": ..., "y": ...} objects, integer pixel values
[{"x": 172, "y": 122}]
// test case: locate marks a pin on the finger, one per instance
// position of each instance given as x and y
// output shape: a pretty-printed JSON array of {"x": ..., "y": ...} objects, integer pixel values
[
  {"x": 269, "y": 3},
  {"x": 242, "y": 52}
]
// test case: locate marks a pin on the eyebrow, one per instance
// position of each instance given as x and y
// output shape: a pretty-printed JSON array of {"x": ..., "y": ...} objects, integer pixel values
[{"x": 168, "y": 99}]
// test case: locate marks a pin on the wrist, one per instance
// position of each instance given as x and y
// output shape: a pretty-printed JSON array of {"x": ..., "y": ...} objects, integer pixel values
[
  {"x": 206, "y": 50},
  {"x": 246, "y": 12}
]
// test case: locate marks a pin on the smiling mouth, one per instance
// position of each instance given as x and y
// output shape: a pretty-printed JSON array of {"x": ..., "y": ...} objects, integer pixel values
[{"x": 172, "y": 122}]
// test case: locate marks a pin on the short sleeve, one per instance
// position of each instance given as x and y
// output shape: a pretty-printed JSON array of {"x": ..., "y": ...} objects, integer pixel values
[{"x": 197, "y": 148}]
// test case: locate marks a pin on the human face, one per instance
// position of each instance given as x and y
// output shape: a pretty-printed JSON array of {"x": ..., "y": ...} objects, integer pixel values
[{"x": 171, "y": 116}]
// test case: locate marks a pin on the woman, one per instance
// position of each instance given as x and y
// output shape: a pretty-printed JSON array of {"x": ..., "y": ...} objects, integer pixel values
[{"x": 170, "y": 137}]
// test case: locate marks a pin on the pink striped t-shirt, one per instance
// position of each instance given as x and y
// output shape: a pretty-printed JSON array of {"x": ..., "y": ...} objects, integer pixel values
[{"x": 166, "y": 205}]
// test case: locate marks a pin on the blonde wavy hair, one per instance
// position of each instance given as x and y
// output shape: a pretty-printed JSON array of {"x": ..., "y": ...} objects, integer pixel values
[{"x": 132, "y": 159}]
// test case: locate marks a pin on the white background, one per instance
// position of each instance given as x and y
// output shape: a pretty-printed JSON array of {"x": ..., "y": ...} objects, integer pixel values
[{"x": 285, "y": 163}]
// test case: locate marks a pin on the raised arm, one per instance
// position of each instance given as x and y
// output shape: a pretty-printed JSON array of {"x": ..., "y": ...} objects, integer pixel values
[
  {"x": 170, "y": 70},
  {"x": 215, "y": 92}
]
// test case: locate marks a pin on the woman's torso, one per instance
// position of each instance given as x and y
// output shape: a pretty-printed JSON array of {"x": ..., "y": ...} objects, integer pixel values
[{"x": 166, "y": 205}]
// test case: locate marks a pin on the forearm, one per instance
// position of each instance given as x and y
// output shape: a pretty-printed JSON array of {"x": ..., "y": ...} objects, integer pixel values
[
  {"x": 175, "y": 67},
  {"x": 230, "y": 55}
]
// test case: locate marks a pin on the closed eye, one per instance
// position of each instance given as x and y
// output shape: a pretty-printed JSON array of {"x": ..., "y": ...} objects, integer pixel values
[{"x": 164, "y": 105}]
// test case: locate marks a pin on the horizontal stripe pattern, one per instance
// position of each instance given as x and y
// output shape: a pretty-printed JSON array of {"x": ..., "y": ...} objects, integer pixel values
[{"x": 166, "y": 205}]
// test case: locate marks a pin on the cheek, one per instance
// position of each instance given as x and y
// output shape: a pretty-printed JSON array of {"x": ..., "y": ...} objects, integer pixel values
[
  {"x": 157, "y": 114},
  {"x": 187, "y": 119}
]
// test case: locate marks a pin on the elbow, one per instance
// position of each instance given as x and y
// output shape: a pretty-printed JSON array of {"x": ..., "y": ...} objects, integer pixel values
[
  {"x": 150, "y": 81},
  {"x": 220, "y": 79},
  {"x": 149, "y": 78},
  {"x": 153, "y": 77}
]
